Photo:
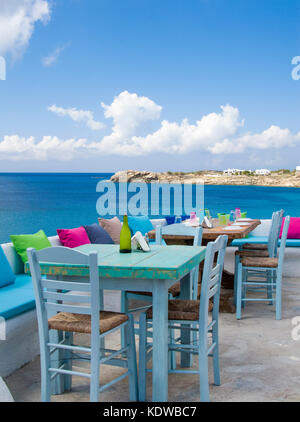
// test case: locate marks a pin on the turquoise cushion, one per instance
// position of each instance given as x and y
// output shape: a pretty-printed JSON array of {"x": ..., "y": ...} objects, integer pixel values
[
  {"x": 17, "y": 298},
  {"x": 139, "y": 224},
  {"x": 250, "y": 239},
  {"x": 6, "y": 273},
  {"x": 290, "y": 243}
]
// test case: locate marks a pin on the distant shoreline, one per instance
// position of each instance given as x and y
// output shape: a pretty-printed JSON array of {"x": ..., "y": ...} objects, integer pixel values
[{"x": 281, "y": 178}]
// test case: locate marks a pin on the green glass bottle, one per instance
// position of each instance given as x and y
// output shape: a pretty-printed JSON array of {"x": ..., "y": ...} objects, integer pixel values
[{"x": 125, "y": 237}]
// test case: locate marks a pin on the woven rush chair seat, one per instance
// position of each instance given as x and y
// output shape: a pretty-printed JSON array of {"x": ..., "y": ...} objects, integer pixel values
[
  {"x": 183, "y": 310},
  {"x": 80, "y": 323},
  {"x": 255, "y": 246},
  {"x": 173, "y": 290},
  {"x": 259, "y": 262},
  {"x": 253, "y": 252}
]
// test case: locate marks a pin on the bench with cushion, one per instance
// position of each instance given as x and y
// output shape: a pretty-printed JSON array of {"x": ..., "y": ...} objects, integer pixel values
[
  {"x": 19, "y": 339},
  {"x": 19, "y": 336}
]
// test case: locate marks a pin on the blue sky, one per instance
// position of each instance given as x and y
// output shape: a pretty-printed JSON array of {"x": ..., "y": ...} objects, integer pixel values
[{"x": 105, "y": 85}]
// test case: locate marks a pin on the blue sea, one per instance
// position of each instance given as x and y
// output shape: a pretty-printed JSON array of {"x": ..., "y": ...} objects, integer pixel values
[{"x": 33, "y": 201}]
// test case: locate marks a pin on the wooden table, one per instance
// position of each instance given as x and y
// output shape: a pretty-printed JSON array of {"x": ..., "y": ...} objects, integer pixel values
[
  {"x": 209, "y": 235},
  {"x": 153, "y": 271}
]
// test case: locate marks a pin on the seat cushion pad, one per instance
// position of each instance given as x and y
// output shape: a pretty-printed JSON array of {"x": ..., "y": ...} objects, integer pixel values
[
  {"x": 17, "y": 298},
  {"x": 79, "y": 323},
  {"x": 183, "y": 310},
  {"x": 259, "y": 262}
]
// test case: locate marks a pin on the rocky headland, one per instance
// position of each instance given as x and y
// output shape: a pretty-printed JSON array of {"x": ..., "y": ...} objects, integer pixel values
[{"x": 281, "y": 178}]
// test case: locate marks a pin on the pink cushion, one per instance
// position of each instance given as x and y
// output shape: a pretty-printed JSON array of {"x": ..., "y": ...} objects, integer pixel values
[
  {"x": 294, "y": 228},
  {"x": 73, "y": 237}
]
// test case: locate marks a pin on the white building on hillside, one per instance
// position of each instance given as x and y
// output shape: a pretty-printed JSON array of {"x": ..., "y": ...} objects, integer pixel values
[
  {"x": 262, "y": 172},
  {"x": 232, "y": 171},
  {"x": 298, "y": 169}
]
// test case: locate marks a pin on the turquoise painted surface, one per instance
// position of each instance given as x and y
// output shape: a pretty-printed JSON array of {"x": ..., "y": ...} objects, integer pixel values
[{"x": 162, "y": 262}]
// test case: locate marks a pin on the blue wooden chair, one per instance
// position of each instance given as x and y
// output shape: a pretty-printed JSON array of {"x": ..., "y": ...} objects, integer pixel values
[
  {"x": 74, "y": 306},
  {"x": 194, "y": 316},
  {"x": 174, "y": 291},
  {"x": 273, "y": 236},
  {"x": 267, "y": 274},
  {"x": 261, "y": 250}
]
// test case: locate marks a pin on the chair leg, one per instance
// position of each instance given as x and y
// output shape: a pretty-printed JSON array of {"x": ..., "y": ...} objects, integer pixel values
[
  {"x": 124, "y": 310},
  {"x": 172, "y": 355},
  {"x": 270, "y": 287},
  {"x": 216, "y": 363},
  {"x": 68, "y": 360},
  {"x": 236, "y": 263},
  {"x": 142, "y": 357},
  {"x": 278, "y": 294},
  {"x": 203, "y": 372},
  {"x": 244, "y": 287},
  {"x": 95, "y": 365},
  {"x": 45, "y": 375},
  {"x": 239, "y": 291},
  {"x": 131, "y": 359}
]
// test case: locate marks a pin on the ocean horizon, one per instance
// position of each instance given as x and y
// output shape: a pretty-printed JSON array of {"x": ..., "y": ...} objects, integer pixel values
[{"x": 49, "y": 201}]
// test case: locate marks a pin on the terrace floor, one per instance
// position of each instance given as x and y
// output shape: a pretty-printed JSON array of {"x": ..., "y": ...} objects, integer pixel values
[{"x": 259, "y": 360}]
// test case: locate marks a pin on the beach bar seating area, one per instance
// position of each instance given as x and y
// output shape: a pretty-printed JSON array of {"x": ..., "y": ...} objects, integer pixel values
[{"x": 208, "y": 314}]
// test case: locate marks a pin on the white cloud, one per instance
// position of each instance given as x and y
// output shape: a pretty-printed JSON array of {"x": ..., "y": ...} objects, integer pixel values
[
  {"x": 53, "y": 57},
  {"x": 78, "y": 116},
  {"x": 217, "y": 133},
  {"x": 50, "y": 147},
  {"x": 17, "y": 21},
  {"x": 274, "y": 137},
  {"x": 129, "y": 111}
]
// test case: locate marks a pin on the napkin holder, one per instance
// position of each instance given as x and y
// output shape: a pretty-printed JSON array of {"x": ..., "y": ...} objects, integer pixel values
[
  {"x": 206, "y": 223},
  {"x": 139, "y": 243}
]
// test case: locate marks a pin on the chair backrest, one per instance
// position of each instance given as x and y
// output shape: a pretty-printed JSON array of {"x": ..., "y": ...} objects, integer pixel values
[
  {"x": 53, "y": 296},
  {"x": 211, "y": 279},
  {"x": 183, "y": 230},
  {"x": 179, "y": 230},
  {"x": 283, "y": 241},
  {"x": 273, "y": 237}
]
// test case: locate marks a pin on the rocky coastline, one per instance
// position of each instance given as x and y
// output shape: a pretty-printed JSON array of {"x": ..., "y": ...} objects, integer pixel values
[{"x": 275, "y": 179}]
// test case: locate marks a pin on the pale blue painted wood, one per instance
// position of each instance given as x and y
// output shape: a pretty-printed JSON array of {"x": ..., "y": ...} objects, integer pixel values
[
  {"x": 211, "y": 286},
  {"x": 185, "y": 294},
  {"x": 178, "y": 230},
  {"x": 50, "y": 297},
  {"x": 273, "y": 239},
  {"x": 187, "y": 258},
  {"x": 273, "y": 279}
]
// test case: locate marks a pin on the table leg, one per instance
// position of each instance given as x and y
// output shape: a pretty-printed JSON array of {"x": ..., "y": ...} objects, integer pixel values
[
  {"x": 185, "y": 293},
  {"x": 160, "y": 342}
]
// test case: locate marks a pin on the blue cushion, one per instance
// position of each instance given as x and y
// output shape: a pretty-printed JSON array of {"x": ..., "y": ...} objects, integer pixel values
[
  {"x": 6, "y": 273},
  {"x": 17, "y": 298},
  {"x": 98, "y": 235},
  {"x": 171, "y": 219},
  {"x": 292, "y": 243},
  {"x": 250, "y": 239},
  {"x": 139, "y": 224}
]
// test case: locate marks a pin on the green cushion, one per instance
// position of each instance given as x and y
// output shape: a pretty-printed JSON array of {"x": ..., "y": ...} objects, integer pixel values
[
  {"x": 17, "y": 298},
  {"x": 23, "y": 241}
]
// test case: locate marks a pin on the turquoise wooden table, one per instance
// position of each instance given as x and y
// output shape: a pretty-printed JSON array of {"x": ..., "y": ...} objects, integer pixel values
[{"x": 153, "y": 271}]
